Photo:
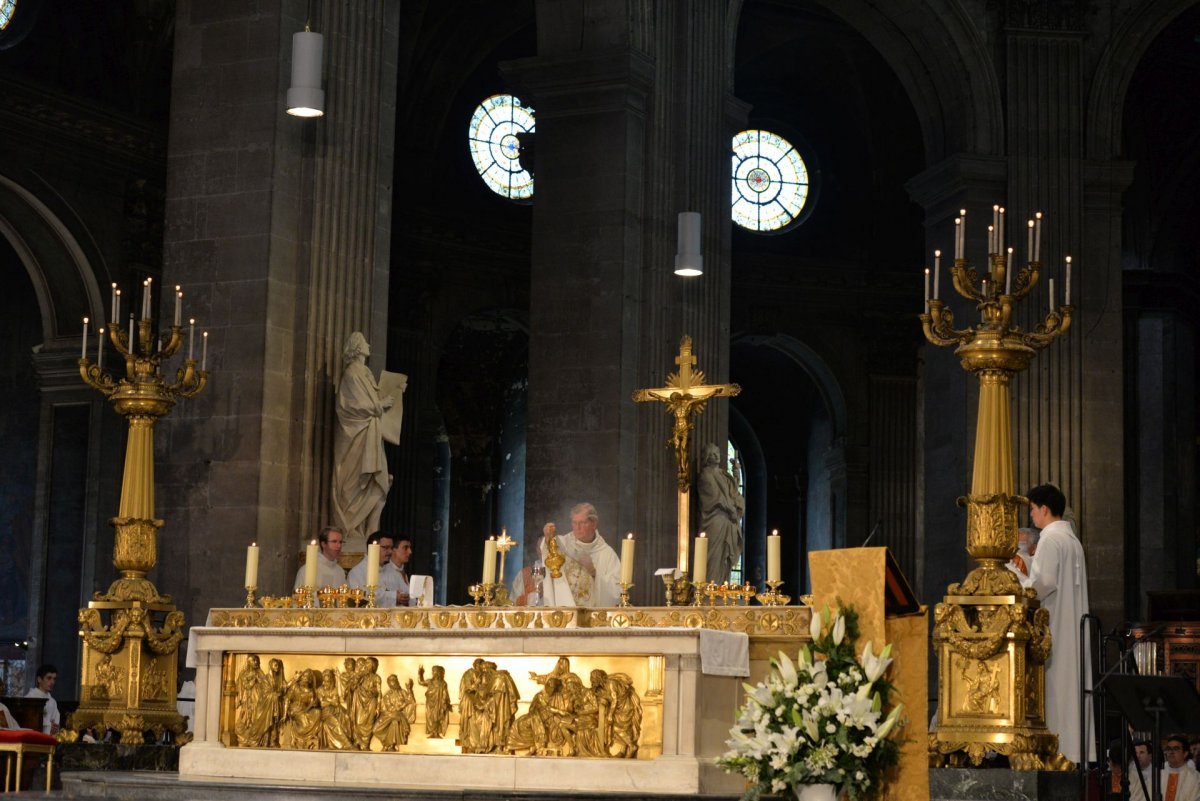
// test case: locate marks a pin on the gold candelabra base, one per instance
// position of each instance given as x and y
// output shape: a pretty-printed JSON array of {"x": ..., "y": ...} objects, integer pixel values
[
  {"x": 250, "y": 596},
  {"x": 773, "y": 597},
  {"x": 371, "y": 588},
  {"x": 625, "y": 593}
]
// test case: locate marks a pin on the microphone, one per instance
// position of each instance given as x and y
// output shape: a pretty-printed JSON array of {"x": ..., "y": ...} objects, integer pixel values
[{"x": 878, "y": 523}]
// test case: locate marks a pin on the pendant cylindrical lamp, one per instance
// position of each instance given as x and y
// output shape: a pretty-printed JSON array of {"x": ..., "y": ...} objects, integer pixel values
[
  {"x": 689, "y": 262},
  {"x": 305, "y": 97}
]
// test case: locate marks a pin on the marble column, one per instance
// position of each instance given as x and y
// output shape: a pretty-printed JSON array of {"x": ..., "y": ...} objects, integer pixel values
[
  {"x": 633, "y": 127},
  {"x": 278, "y": 229}
]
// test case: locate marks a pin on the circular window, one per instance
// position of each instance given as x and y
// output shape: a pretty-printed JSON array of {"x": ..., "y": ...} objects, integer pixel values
[
  {"x": 770, "y": 181},
  {"x": 7, "y": 8},
  {"x": 495, "y": 147}
]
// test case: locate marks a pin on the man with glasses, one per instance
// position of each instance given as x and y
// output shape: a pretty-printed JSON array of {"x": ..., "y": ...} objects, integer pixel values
[
  {"x": 389, "y": 583},
  {"x": 1179, "y": 782},
  {"x": 329, "y": 572}
]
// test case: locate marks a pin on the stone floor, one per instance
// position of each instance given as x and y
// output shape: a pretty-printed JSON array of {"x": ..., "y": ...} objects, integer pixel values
[{"x": 973, "y": 784}]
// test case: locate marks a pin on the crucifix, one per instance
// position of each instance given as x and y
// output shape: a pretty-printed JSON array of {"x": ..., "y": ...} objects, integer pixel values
[{"x": 685, "y": 396}]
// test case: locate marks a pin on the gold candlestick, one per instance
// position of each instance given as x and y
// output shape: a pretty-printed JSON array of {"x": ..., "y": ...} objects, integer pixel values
[
  {"x": 476, "y": 592},
  {"x": 773, "y": 597},
  {"x": 625, "y": 593},
  {"x": 250, "y": 596},
  {"x": 371, "y": 588},
  {"x": 669, "y": 581}
]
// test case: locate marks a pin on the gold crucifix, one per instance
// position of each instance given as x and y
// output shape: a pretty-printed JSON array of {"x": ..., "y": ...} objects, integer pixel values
[{"x": 685, "y": 396}]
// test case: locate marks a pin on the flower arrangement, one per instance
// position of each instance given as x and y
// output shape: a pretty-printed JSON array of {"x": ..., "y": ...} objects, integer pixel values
[{"x": 822, "y": 720}]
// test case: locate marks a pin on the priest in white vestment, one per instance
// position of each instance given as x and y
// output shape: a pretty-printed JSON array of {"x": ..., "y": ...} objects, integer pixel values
[
  {"x": 388, "y": 590},
  {"x": 1059, "y": 575},
  {"x": 329, "y": 572},
  {"x": 593, "y": 569},
  {"x": 1178, "y": 780}
]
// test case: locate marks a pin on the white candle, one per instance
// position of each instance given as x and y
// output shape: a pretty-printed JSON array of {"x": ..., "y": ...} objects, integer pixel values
[
  {"x": 1051, "y": 294},
  {"x": 100, "y": 349},
  {"x": 1067, "y": 281},
  {"x": 146, "y": 300},
  {"x": 1000, "y": 232},
  {"x": 373, "y": 564},
  {"x": 1029, "y": 243},
  {"x": 1037, "y": 237},
  {"x": 991, "y": 239},
  {"x": 83, "y": 349},
  {"x": 937, "y": 273},
  {"x": 1008, "y": 274},
  {"x": 627, "y": 546},
  {"x": 985, "y": 288},
  {"x": 926, "y": 290},
  {"x": 131, "y": 340},
  {"x": 251, "y": 565},
  {"x": 117, "y": 315},
  {"x": 191, "y": 336},
  {"x": 773, "y": 556},
  {"x": 994, "y": 228},
  {"x": 310, "y": 565},
  {"x": 700, "y": 571},
  {"x": 489, "y": 561},
  {"x": 203, "y": 350},
  {"x": 113, "y": 302},
  {"x": 962, "y": 234},
  {"x": 178, "y": 305},
  {"x": 957, "y": 238}
]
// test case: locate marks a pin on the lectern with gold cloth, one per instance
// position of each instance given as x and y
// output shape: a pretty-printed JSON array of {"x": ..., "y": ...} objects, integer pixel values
[{"x": 887, "y": 612}]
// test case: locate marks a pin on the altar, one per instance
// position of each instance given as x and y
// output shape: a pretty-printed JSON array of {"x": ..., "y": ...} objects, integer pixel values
[{"x": 633, "y": 699}]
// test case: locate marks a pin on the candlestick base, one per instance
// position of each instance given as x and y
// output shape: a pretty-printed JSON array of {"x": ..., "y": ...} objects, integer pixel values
[
  {"x": 476, "y": 592},
  {"x": 625, "y": 593},
  {"x": 308, "y": 597},
  {"x": 773, "y": 597},
  {"x": 250, "y": 596},
  {"x": 698, "y": 591},
  {"x": 371, "y": 588}
]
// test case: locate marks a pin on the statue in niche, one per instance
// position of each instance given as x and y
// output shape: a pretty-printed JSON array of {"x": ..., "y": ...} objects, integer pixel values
[
  {"x": 721, "y": 511},
  {"x": 360, "y": 475},
  {"x": 437, "y": 701},
  {"x": 397, "y": 711}
]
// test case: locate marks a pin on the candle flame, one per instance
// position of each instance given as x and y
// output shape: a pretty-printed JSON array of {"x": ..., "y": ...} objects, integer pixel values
[
  {"x": 629, "y": 536},
  {"x": 702, "y": 534},
  {"x": 1030, "y": 223},
  {"x": 937, "y": 253},
  {"x": 774, "y": 532},
  {"x": 1068, "y": 259}
]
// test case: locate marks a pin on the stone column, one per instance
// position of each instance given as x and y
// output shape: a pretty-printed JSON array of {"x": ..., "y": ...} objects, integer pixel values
[
  {"x": 632, "y": 129},
  {"x": 278, "y": 229}
]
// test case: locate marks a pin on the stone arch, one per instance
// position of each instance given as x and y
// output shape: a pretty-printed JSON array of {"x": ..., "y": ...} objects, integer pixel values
[
  {"x": 1127, "y": 44},
  {"x": 56, "y": 261},
  {"x": 817, "y": 368},
  {"x": 941, "y": 59}
]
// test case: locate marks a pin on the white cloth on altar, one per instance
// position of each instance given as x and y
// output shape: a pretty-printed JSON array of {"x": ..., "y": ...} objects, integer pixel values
[
  {"x": 420, "y": 590},
  {"x": 1059, "y": 574},
  {"x": 329, "y": 573},
  {"x": 587, "y": 590},
  {"x": 724, "y": 653}
]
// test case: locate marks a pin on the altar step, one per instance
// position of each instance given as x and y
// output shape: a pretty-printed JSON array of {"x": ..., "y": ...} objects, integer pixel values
[{"x": 163, "y": 786}]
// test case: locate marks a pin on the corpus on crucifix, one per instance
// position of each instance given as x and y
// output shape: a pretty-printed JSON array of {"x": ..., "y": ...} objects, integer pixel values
[{"x": 685, "y": 396}]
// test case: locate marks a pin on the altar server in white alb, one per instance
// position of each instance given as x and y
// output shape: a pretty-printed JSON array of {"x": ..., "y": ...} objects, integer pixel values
[
  {"x": 329, "y": 572},
  {"x": 1059, "y": 575},
  {"x": 593, "y": 569}
]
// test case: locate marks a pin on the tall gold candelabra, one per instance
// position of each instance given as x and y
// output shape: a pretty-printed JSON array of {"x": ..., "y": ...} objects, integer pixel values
[
  {"x": 131, "y": 632},
  {"x": 991, "y": 636}
]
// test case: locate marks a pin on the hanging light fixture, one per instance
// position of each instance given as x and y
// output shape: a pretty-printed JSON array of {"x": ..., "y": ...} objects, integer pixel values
[
  {"x": 689, "y": 262},
  {"x": 305, "y": 97}
]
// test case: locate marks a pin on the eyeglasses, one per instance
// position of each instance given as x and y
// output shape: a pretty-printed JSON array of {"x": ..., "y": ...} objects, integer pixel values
[{"x": 1172, "y": 748}]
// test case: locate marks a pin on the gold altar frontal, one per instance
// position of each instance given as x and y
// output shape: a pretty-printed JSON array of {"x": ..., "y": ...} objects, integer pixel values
[{"x": 662, "y": 721}]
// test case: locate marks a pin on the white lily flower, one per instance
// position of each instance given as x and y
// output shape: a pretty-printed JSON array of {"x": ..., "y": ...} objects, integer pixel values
[
  {"x": 890, "y": 722},
  {"x": 839, "y": 629},
  {"x": 786, "y": 669},
  {"x": 805, "y": 656},
  {"x": 814, "y": 625}
]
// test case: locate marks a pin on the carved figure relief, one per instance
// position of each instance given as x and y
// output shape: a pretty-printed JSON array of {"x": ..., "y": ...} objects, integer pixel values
[
  {"x": 982, "y": 688},
  {"x": 154, "y": 682},
  {"x": 110, "y": 680},
  {"x": 437, "y": 701}
]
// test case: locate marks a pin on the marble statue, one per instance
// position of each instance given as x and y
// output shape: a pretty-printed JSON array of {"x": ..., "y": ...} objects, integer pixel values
[
  {"x": 360, "y": 475},
  {"x": 721, "y": 510}
]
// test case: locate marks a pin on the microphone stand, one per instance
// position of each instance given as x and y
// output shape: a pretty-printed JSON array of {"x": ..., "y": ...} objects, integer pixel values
[{"x": 1156, "y": 710}]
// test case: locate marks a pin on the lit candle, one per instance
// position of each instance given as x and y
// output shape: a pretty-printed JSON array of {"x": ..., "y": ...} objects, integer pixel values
[
  {"x": 146, "y": 299},
  {"x": 627, "y": 546},
  {"x": 957, "y": 238},
  {"x": 1066, "y": 291},
  {"x": 310, "y": 565},
  {"x": 373, "y": 564},
  {"x": 937, "y": 273},
  {"x": 926, "y": 290},
  {"x": 100, "y": 349},
  {"x": 991, "y": 239},
  {"x": 113, "y": 302},
  {"x": 962, "y": 234},
  {"x": 994, "y": 228},
  {"x": 1000, "y": 231},
  {"x": 203, "y": 350},
  {"x": 1051, "y": 294},
  {"x": 985, "y": 288},
  {"x": 489, "y": 561},
  {"x": 1037, "y": 237},
  {"x": 117, "y": 314},
  {"x": 700, "y": 571},
  {"x": 1008, "y": 274},
  {"x": 191, "y": 336},
  {"x": 773, "y": 556},
  {"x": 1029, "y": 242},
  {"x": 131, "y": 345},
  {"x": 251, "y": 565},
  {"x": 83, "y": 348},
  {"x": 178, "y": 304}
]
